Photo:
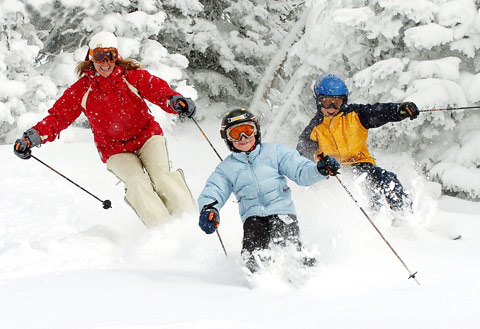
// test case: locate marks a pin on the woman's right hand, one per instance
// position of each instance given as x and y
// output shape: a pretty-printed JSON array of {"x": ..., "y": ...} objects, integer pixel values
[{"x": 184, "y": 106}]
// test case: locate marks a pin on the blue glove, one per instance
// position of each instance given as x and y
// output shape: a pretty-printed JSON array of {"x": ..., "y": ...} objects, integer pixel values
[
  {"x": 184, "y": 106},
  {"x": 327, "y": 165},
  {"x": 22, "y": 146},
  {"x": 209, "y": 218}
]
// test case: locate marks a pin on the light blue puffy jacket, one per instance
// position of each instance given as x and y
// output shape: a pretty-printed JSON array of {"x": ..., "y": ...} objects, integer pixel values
[{"x": 258, "y": 180}]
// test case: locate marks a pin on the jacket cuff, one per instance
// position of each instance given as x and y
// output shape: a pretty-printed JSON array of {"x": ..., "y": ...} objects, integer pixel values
[{"x": 33, "y": 137}]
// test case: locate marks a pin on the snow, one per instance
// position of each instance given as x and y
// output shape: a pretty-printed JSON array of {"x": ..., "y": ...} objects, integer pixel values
[
  {"x": 420, "y": 11},
  {"x": 5, "y": 114},
  {"x": 12, "y": 88},
  {"x": 443, "y": 68},
  {"x": 427, "y": 36},
  {"x": 140, "y": 22},
  {"x": 186, "y": 6},
  {"x": 431, "y": 92},
  {"x": 65, "y": 262},
  {"x": 453, "y": 13},
  {"x": 474, "y": 90},
  {"x": 378, "y": 71}
]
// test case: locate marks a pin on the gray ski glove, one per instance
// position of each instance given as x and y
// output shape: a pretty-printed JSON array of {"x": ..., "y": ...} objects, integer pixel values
[
  {"x": 22, "y": 146},
  {"x": 184, "y": 106}
]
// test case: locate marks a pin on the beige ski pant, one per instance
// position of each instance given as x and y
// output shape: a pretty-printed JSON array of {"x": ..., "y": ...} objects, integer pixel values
[{"x": 151, "y": 189}]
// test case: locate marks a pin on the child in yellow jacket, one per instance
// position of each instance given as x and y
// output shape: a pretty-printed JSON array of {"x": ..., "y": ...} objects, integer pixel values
[{"x": 341, "y": 130}]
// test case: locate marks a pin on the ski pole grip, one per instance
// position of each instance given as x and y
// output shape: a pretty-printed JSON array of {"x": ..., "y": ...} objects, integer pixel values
[
  {"x": 210, "y": 205},
  {"x": 321, "y": 157}
]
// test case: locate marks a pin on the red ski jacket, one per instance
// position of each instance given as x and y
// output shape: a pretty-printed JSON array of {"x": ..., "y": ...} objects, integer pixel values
[{"x": 114, "y": 106}]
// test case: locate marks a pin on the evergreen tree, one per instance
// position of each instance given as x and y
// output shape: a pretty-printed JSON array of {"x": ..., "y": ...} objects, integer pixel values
[
  {"x": 229, "y": 44},
  {"x": 21, "y": 84},
  {"x": 422, "y": 51},
  {"x": 267, "y": 54}
]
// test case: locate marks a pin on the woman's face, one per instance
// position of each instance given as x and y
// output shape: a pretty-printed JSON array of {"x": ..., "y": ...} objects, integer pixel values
[
  {"x": 104, "y": 68},
  {"x": 245, "y": 144}
]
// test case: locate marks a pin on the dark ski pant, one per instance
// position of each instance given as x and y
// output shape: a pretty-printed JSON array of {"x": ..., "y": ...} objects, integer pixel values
[
  {"x": 380, "y": 181},
  {"x": 259, "y": 233}
]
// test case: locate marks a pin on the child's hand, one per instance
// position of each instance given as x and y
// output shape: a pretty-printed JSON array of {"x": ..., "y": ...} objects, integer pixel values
[
  {"x": 209, "y": 219},
  {"x": 327, "y": 165},
  {"x": 408, "y": 110}
]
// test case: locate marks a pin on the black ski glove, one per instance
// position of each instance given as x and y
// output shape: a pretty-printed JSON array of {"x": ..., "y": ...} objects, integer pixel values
[
  {"x": 209, "y": 218},
  {"x": 184, "y": 106},
  {"x": 408, "y": 110},
  {"x": 22, "y": 146},
  {"x": 327, "y": 165}
]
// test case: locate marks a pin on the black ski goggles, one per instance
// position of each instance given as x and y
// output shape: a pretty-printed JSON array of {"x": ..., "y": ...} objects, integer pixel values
[{"x": 329, "y": 102}]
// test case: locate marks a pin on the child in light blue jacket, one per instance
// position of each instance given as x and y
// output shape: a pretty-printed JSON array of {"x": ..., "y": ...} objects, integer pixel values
[{"x": 256, "y": 173}]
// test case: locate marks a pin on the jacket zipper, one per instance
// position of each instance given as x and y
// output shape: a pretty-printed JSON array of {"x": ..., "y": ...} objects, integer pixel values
[
  {"x": 256, "y": 183},
  {"x": 333, "y": 137}
]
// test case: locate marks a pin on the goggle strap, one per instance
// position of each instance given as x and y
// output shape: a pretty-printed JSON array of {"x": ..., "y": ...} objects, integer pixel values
[{"x": 330, "y": 96}]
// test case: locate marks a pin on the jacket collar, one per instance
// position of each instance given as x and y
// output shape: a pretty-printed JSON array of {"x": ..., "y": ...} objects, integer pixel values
[
  {"x": 242, "y": 156},
  {"x": 327, "y": 120}
]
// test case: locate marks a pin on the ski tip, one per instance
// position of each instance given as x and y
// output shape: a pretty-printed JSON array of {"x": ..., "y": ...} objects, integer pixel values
[{"x": 458, "y": 237}]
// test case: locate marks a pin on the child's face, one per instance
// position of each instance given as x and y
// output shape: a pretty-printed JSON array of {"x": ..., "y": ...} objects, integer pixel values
[
  {"x": 330, "y": 105},
  {"x": 331, "y": 112},
  {"x": 245, "y": 144}
]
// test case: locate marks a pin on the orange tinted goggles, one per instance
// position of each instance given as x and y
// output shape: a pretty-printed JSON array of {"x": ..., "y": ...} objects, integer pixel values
[
  {"x": 331, "y": 102},
  {"x": 100, "y": 55},
  {"x": 235, "y": 133}
]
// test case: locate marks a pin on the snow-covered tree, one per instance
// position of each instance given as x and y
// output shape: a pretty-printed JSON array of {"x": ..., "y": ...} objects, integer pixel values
[
  {"x": 395, "y": 50},
  {"x": 229, "y": 44},
  {"x": 266, "y": 54},
  {"x": 226, "y": 45},
  {"x": 22, "y": 87},
  {"x": 56, "y": 39}
]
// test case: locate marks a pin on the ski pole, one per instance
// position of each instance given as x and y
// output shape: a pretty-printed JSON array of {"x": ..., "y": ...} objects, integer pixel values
[
  {"x": 106, "y": 203},
  {"x": 221, "y": 242},
  {"x": 213, "y": 148},
  {"x": 216, "y": 226},
  {"x": 452, "y": 109},
  {"x": 207, "y": 139},
  {"x": 412, "y": 275}
]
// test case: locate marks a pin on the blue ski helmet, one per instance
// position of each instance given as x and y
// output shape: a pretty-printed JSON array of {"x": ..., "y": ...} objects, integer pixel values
[{"x": 329, "y": 85}]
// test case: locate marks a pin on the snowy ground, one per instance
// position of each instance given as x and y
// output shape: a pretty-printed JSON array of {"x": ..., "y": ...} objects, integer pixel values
[{"x": 65, "y": 262}]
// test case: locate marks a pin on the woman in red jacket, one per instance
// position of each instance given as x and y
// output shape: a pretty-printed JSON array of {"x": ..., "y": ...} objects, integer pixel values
[{"x": 111, "y": 92}]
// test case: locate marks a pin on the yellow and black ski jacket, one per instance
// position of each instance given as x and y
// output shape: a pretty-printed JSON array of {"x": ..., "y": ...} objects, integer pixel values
[{"x": 344, "y": 136}]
